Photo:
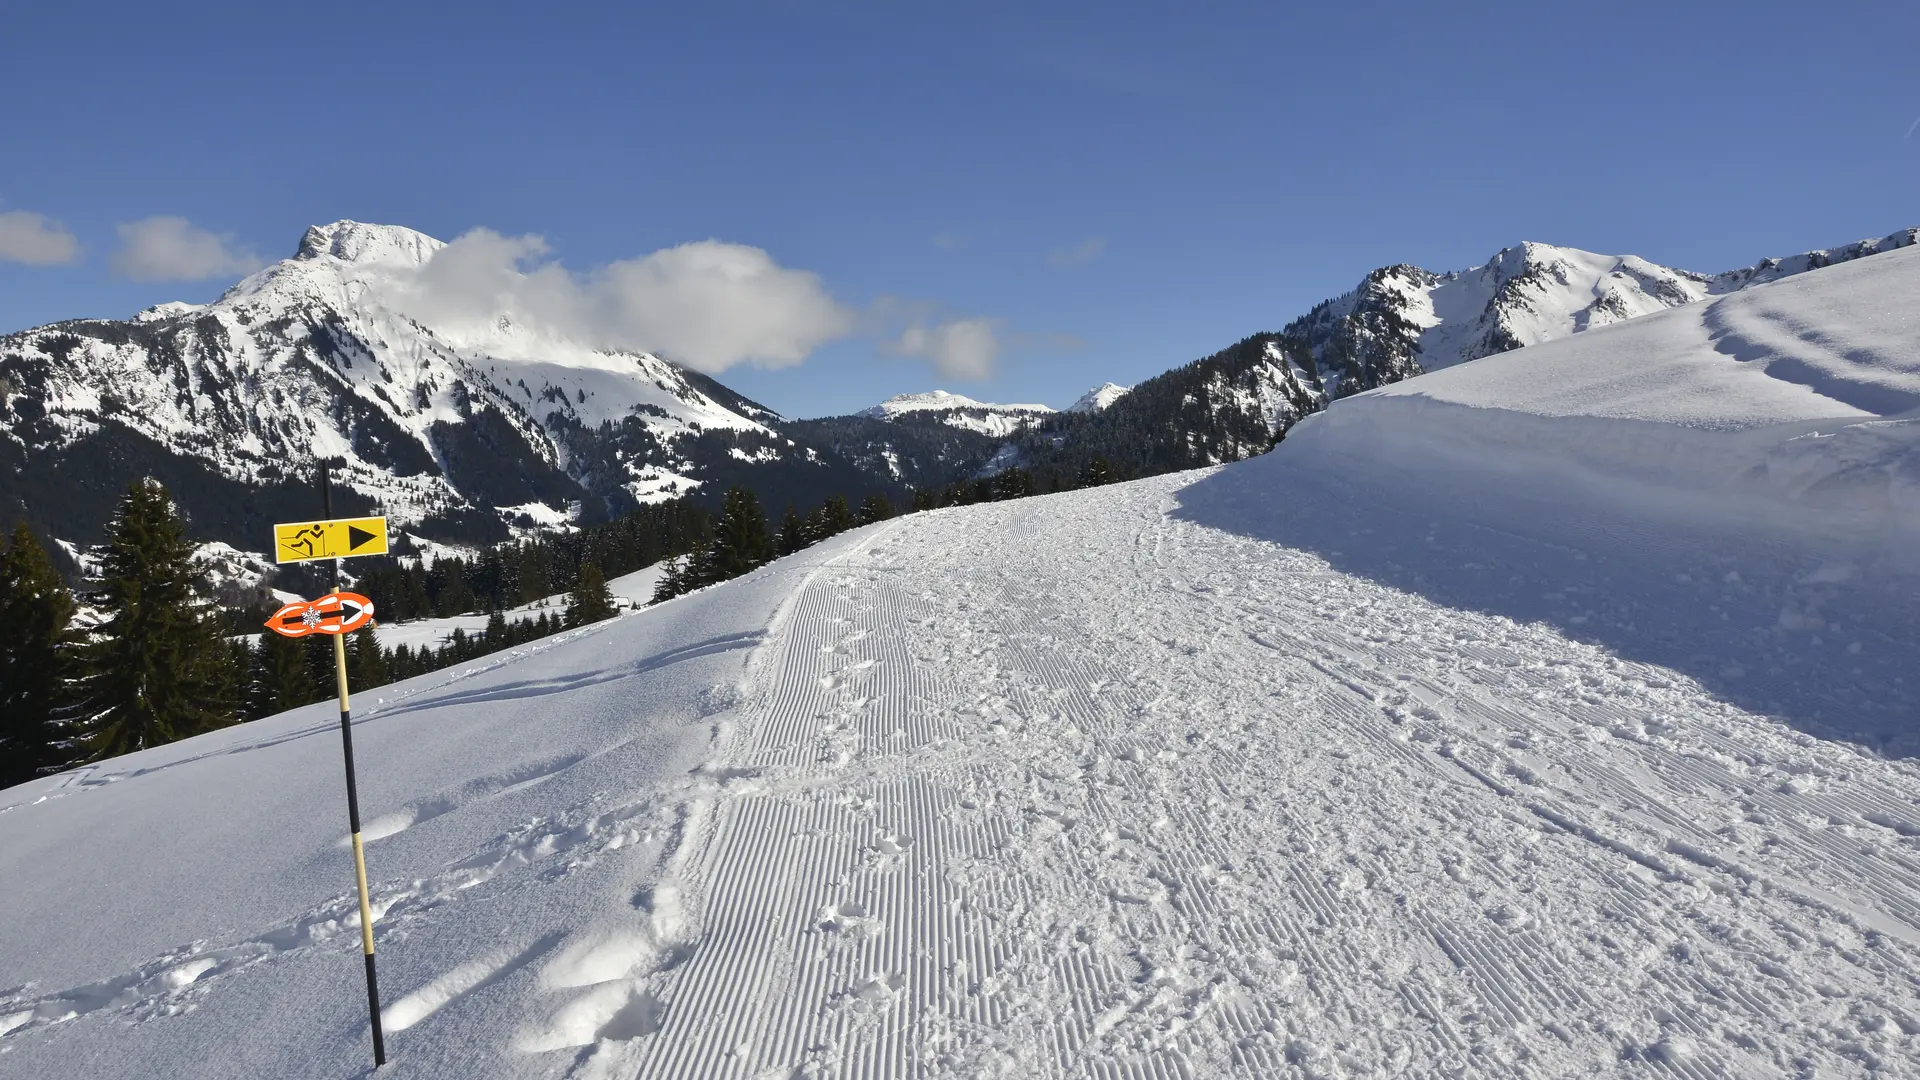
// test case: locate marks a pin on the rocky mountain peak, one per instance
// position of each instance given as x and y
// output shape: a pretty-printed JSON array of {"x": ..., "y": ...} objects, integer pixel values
[{"x": 358, "y": 242}]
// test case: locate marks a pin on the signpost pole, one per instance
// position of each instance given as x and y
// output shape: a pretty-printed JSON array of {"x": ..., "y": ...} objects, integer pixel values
[{"x": 353, "y": 796}]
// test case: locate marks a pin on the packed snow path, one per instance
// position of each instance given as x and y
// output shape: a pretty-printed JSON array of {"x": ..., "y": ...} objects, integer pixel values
[
  {"x": 1144, "y": 798},
  {"x": 1110, "y": 784}
]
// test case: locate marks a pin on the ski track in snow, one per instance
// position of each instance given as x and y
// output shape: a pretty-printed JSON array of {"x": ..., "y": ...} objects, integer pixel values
[
  {"x": 1097, "y": 815},
  {"x": 1076, "y": 788}
]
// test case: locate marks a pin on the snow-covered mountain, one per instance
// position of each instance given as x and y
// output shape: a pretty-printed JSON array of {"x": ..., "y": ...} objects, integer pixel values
[
  {"x": 1098, "y": 398},
  {"x": 464, "y": 432},
  {"x": 457, "y": 431},
  {"x": 957, "y": 410},
  {"x": 1550, "y": 716},
  {"x": 1403, "y": 320}
]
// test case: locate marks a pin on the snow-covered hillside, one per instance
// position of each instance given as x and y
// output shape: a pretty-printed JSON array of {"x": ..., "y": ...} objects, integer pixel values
[
  {"x": 629, "y": 591},
  {"x": 1551, "y": 715},
  {"x": 1403, "y": 320},
  {"x": 450, "y": 426},
  {"x": 958, "y": 410}
]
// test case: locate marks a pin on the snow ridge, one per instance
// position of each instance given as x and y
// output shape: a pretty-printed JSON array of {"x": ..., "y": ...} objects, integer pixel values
[
  {"x": 959, "y": 411},
  {"x": 1403, "y": 320}
]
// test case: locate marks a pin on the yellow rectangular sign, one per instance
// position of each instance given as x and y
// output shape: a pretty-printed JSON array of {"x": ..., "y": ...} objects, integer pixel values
[{"x": 341, "y": 538}]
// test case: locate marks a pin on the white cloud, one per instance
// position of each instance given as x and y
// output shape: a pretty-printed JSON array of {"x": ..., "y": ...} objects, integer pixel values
[
  {"x": 166, "y": 248},
  {"x": 36, "y": 240},
  {"x": 709, "y": 305},
  {"x": 950, "y": 241},
  {"x": 960, "y": 349},
  {"x": 1079, "y": 254}
]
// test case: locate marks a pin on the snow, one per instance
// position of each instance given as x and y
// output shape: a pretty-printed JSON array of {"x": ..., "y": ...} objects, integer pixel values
[
  {"x": 173, "y": 309},
  {"x": 937, "y": 400},
  {"x": 1503, "y": 722},
  {"x": 960, "y": 411},
  {"x": 1098, "y": 398},
  {"x": 629, "y": 591}
]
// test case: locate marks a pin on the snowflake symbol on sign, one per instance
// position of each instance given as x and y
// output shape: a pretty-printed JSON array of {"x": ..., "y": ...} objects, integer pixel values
[{"x": 310, "y": 617}]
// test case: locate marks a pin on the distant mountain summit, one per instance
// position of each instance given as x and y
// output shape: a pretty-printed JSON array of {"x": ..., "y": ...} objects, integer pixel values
[
  {"x": 1098, "y": 398},
  {"x": 956, "y": 410}
]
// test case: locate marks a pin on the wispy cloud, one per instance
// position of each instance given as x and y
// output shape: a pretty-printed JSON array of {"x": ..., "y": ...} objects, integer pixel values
[
  {"x": 36, "y": 240},
  {"x": 709, "y": 305},
  {"x": 1911, "y": 128},
  {"x": 1080, "y": 254},
  {"x": 950, "y": 241},
  {"x": 958, "y": 349},
  {"x": 164, "y": 248}
]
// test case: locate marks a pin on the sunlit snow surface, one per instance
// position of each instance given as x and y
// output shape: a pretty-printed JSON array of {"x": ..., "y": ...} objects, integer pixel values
[{"x": 1562, "y": 730}]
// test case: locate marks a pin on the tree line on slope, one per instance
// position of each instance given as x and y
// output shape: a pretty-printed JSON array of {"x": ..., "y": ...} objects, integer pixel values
[
  {"x": 162, "y": 662},
  {"x": 158, "y": 661}
]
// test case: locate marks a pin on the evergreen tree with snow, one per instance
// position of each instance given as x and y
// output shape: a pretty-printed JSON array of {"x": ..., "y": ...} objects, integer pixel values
[
  {"x": 1096, "y": 472},
  {"x": 281, "y": 679},
  {"x": 366, "y": 666},
  {"x": 590, "y": 601},
  {"x": 35, "y": 608},
  {"x": 835, "y": 517},
  {"x": 740, "y": 539},
  {"x": 793, "y": 533},
  {"x": 875, "y": 507},
  {"x": 699, "y": 571},
  {"x": 157, "y": 668},
  {"x": 673, "y": 580}
]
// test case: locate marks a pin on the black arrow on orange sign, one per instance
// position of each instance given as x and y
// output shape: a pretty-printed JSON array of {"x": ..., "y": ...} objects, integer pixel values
[{"x": 344, "y": 613}]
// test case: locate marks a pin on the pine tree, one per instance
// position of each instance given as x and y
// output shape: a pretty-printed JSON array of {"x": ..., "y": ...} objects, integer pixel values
[
  {"x": 456, "y": 593},
  {"x": 875, "y": 507},
  {"x": 836, "y": 517},
  {"x": 740, "y": 540},
  {"x": 35, "y": 608},
  {"x": 157, "y": 668},
  {"x": 281, "y": 678},
  {"x": 1096, "y": 472},
  {"x": 793, "y": 533},
  {"x": 1013, "y": 483},
  {"x": 416, "y": 604},
  {"x": 672, "y": 581},
  {"x": 496, "y": 634},
  {"x": 589, "y": 602},
  {"x": 816, "y": 526},
  {"x": 366, "y": 666},
  {"x": 699, "y": 571}
]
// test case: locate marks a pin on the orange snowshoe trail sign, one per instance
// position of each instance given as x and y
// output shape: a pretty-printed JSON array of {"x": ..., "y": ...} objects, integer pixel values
[{"x": 335, "y": 613}]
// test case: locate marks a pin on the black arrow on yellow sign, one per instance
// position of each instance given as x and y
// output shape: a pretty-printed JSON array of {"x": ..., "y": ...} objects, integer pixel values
[{"x": 356, "y": 537}]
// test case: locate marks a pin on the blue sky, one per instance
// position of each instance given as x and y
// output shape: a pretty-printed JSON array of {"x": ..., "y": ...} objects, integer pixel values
[{"x": 1106, "y": 191}]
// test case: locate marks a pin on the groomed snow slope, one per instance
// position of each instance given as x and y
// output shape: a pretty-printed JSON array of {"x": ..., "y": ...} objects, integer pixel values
[{"x": 1488, "y": 761}]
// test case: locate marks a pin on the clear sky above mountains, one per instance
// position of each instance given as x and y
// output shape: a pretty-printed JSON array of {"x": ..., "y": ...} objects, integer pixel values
[{"x": 1042, "y": 197}]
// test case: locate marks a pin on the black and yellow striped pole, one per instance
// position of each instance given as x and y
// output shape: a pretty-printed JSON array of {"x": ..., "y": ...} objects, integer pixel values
[
  {"x": 353, "y": 801},
  {"x": 338, "y": 613}
]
